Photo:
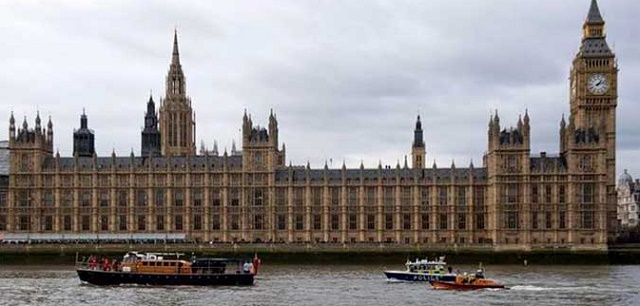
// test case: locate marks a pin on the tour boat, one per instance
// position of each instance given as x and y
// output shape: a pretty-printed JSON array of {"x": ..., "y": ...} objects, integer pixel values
[
  {"x": 167, "y": 269},
  {"x": 423, "y": 270},
  {"x": 467, "y": 282}
]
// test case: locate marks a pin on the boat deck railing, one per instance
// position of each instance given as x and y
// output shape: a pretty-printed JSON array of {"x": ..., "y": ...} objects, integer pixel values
[{"x": 233, "y": 267}]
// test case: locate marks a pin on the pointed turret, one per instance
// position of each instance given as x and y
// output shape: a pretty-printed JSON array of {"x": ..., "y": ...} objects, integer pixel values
[
  {"x": 273, "y": 129},
  {"x": 418, "y": 139},
  {"x": 150, "y": 135},
  {"x": 520, "y": 123},
  {"x": 83, "y": 138},
  {"x": 490, "y": 121},
  {"x": 38, "y": 122},
  {"x": 50, "y": 132},
  {"x": 25, "y": 125},
  {"x": 203, "y": 149},
  {"x": 233, "y": 147},
  {"x": 418, "y": 151},
  {"x": 151, "y": 106},
  {"x": 83, "y": 120},
  {"x": 563, "y": 135},
  {"x": 594, "y": 15},
  {"x": 12, "y": 126}
]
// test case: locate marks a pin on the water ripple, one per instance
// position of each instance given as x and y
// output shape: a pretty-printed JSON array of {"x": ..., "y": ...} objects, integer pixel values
[{"x": 333, "y": 285}]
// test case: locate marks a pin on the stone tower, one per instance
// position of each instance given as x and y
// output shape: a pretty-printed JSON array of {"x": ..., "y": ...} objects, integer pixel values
[
  {"x": 260, "y": 145},
  {"x": 507, "y": 161},
  {"x": 150, "y": 134},
  {"x": 417, "y": 148},
  {"x": 83, "y": 139},
  {"x": 177, "y": 122},
  {"x": 28, "y": 147},
  {"x": 28, "y": 150},
  {"x": 589, "y": 140}
]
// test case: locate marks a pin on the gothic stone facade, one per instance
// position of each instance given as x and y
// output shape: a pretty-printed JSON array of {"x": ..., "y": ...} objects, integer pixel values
[{"x": 515, "y": 200}]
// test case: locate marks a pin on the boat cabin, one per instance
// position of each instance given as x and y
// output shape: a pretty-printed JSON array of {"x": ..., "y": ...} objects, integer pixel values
[{"x": 426, "y": 265}]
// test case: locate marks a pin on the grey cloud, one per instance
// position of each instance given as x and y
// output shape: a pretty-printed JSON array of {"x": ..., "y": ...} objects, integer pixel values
[{"x": 346, "y": 78}]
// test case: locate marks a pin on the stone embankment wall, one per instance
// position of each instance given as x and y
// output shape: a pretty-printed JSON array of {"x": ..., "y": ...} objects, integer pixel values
[{"x": 383, "y": 254}]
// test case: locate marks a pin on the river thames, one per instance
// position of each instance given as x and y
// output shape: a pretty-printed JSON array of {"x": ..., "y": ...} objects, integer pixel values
[{"x": 335, "y": 285}]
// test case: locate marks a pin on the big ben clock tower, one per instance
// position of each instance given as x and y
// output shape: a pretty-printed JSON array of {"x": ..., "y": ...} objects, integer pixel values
[{"x": 590, "y": 139}]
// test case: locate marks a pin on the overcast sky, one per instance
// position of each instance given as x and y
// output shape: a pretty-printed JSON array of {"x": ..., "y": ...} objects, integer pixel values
[{"x": 345, "y": 78}]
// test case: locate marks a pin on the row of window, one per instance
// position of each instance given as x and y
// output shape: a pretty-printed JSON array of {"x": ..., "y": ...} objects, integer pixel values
[
  {"x": 547, "y": 220},
  {"x": 258, "y": 196},
  {"x": 584, "y": 193},
  {"x": 298, "y": 222}
]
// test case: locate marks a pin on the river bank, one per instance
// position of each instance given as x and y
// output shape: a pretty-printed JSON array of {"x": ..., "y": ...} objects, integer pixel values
[{"x": 324, "y": 254}]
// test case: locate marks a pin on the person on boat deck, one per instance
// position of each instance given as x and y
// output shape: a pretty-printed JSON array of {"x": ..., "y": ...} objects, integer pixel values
[
  {"x": 105, "y": 264},
  {"x": 450, "y": 270},
  {"x": 92, "y": 262},
  {"x": 246, "y": 267}
]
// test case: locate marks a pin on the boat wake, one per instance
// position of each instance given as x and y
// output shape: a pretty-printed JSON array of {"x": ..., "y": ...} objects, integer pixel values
[
  {"x": 529, "y": 288},
  {"x": 537, "y": 288},
  {"x": 393, "y": 280}
]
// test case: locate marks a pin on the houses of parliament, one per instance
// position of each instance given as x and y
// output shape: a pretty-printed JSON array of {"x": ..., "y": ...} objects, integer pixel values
[{"x": 514, "y": 200}]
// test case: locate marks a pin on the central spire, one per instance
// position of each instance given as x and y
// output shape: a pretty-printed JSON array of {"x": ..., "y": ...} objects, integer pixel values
[
  {"x": 175, "y": 59},
  {"x": 177, "y": 123},
  {"x": 175, "y": 78}
]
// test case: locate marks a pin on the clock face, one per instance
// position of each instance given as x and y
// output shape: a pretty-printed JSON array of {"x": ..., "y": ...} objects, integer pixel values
[{"x": 598, "y": 84}]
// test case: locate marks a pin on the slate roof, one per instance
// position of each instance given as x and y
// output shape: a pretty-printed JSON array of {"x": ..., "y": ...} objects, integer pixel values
[
  {"x": 68, "y": 163},
  {"x": 300, "y": 174},
  {"x": 594, "y": 46}
]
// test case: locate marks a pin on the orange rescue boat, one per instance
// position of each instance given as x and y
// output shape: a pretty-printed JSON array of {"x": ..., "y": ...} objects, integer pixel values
[{"x": 472, "y": 282}]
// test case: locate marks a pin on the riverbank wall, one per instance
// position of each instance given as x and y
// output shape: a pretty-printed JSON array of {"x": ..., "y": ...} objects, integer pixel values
[{"x": 324, "y": 254}]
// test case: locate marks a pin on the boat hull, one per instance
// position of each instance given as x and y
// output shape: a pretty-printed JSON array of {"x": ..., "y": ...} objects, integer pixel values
[
  {"x": 455, "y": 286},
  {"x": 105, "y": 278},
  {"x": 418, "y": 277}
]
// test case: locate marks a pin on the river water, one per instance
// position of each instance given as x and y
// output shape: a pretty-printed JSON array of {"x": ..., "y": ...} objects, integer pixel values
[{"x": 335, "y": 285}]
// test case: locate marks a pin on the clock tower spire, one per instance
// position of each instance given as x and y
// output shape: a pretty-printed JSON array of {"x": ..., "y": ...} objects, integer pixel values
[{"x": 590, "y": 138}]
